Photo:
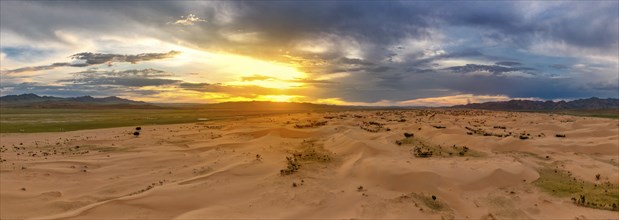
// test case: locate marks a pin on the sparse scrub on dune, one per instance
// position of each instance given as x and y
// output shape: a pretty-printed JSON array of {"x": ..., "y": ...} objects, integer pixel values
[
  {"x": 149, "y": 187},
  {"x": 341, "y": 116},
  {"x": 431, "y": 202},
  {"x": 373, "y": 127},
  {"x": 423, "y": 149},
  {"x": 562, "y": 184},
  {"x": 560, "y": 135},
  {"x": 292, "y": 166},
  {"x": 311, "y": 124},
  {"x": 439, "y": 126},
  {"x": 482, "y": 132},
  {"x": 309, "y": 152}
]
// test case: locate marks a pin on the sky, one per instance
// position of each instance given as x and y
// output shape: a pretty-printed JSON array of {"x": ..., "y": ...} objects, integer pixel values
[{"x": 405, "y": 53}]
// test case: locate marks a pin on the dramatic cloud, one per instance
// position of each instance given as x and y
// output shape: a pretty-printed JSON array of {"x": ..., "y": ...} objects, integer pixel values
[{"x": 372, "y": 52}]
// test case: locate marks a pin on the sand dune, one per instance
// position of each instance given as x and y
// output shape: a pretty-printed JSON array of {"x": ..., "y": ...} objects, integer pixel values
[{"x": 231, "y": 169}]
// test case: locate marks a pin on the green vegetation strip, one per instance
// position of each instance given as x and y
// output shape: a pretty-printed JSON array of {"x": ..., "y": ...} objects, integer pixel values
[
  {"x": 57, "y": 120},
  {"x": 600, "y": 195}
]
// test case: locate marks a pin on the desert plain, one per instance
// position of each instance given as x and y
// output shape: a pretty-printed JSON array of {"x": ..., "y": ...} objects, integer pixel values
[{"x": 381, "y": 164}]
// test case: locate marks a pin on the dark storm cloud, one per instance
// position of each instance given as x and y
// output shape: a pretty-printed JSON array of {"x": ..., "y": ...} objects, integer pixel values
[
  {"x": 89, "y": 59},
  {"x": 525, "y": 87},
  {"x": 567, "y": 22}
]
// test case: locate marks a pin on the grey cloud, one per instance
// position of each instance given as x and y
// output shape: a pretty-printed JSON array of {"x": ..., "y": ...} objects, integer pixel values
[
  {"x": 144, "y": 73},
  {"x": 128, "y": 78},
  {"x": 380, "y": 69},
  {"x": 559, "y": 66},
  {"x": 494, "y": 69},
  {"x": 608, "y": 86},
  {"x": 122, "y": 81},
  {"x": 100, "y": 58},
  {"x": 89, "y": 59},
  {"x": 312, "y": 81},
  {"x": 36, "y": 68},
  {"x": 70, "y": 90},
  {"x": 354, "y": 61},
  {"x": 508, "y": 63}
]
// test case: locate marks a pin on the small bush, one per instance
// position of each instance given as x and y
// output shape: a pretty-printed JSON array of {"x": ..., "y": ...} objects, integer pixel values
[{"x": 292, "y": 167}]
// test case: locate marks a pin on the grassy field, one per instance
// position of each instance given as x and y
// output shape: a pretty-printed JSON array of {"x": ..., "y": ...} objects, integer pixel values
[
  {"x": 57, "y": 120},
  {"x": 599, "y": 113}
]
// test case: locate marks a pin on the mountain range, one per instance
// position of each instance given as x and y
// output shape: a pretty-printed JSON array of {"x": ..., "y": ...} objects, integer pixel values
[
  {"x": 528, "y": 105},
  {"x": 88, "y": 102}
]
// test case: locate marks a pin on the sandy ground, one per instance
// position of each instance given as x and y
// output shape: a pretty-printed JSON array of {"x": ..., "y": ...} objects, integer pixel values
[{"x": 232, "y": 169}]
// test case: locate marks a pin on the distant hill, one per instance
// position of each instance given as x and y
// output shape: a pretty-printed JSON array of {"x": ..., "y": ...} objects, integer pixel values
[
  {"x": 527, "y": 105},
  {"x": 112, "y": 102},
  {"x": 83, "y": 102}
]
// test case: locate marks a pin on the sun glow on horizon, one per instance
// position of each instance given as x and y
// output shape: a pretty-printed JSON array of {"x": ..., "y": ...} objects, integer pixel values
[{"x": 259, "y": 80}]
